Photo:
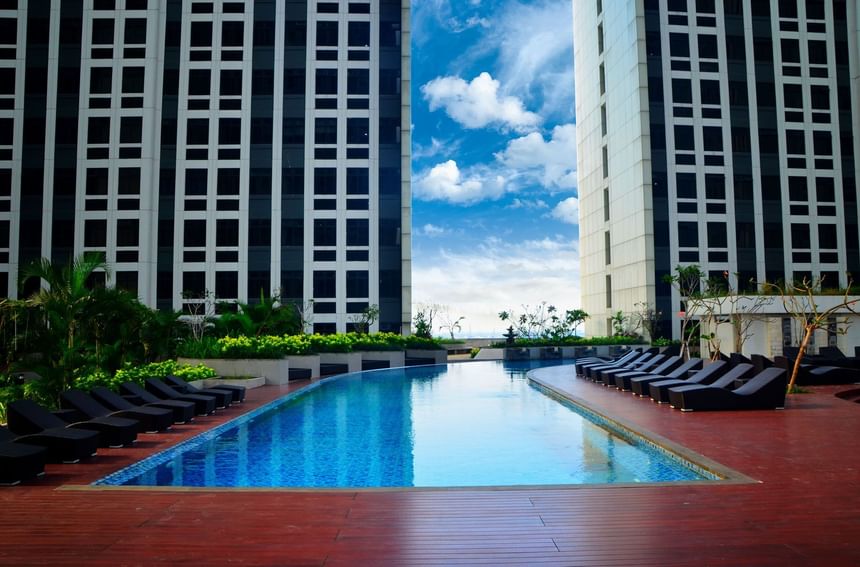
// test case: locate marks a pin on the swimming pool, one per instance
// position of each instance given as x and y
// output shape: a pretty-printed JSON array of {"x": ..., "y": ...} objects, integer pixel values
[{"x": 474, "y": 424}]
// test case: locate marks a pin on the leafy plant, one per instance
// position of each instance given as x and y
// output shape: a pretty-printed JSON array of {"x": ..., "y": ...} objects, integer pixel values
[
  {"x": 364, "y": 320},
  {"x": 423, "y": 322},
  {"x": 544, "y": 322},
  {"x": 267, "y": 317},
  {"x": 474, "y": 352},
  {"x": 161, "y": 369}
]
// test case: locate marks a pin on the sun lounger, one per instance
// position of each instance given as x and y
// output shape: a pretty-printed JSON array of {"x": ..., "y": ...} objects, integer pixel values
[
  {"x": 183, "y": 411},
  {"x": 178, "y": 383},
  {"x": 26, "y": 417},
  {"x": 19, "y": 460},
  {"x": 223, "y": 398},
  {"x": 151, "y": 420},
  {"x": 766, "y": 390},
  {"x": 639, "y": 384},
  {"x": 204, "y": 405},
  {"x": 580, "y": 364},
  {"x": 593, "y": 372},
  {"x": 622, "y": 380},
  {"x": 659, "y": 390},
  {"x": 608, "y": 376}
]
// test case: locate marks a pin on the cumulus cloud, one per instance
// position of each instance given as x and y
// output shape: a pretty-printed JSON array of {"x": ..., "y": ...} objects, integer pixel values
[
  {"x": 567, "y": 211},
  {"x": 499, "y": 275},
  {"x": 554, "y": 160},
  {"x": 445, "y": 182},
  {"x": 431, "y": 230},
  {"x": 477, "y": 104},
  {"x": 518, "y": 203},
  {"x": 457, "y": 25}
]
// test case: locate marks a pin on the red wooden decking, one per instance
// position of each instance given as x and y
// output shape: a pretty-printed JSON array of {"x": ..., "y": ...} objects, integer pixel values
[{"x": 804, "y": 511}]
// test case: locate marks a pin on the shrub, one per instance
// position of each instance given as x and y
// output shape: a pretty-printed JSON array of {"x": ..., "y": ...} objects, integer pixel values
[
  {"x": 572, "y": 341},
  {"x": 162, "y": 369},
  {"x": 88, "y": 381},
  {"x": 376, "y": 341},
  {"x": 421, "y": 343},
  {"x": 330, "y": 343}
]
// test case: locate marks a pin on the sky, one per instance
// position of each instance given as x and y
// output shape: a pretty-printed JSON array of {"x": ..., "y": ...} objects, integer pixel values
[{"x": 494, "y": 201}]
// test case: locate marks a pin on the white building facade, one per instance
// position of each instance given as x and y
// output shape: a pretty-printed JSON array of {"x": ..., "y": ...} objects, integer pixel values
[
  {"x": 237, "y": 148},
  {"x": 715, "y": 133}
]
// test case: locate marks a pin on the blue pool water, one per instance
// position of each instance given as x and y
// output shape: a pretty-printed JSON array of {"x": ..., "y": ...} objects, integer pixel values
[{"x": 475, "y": 424}]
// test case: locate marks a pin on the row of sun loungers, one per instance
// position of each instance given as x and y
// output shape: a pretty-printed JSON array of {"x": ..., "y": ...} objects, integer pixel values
[
  {"x": 101, "y": 418},
  {"x": 689, "y": 385}
]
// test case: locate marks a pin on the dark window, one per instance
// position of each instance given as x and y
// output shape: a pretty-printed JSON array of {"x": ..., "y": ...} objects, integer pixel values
[
  {"x": 198, "y": 132},
  {"x": 231, "y": 82},
  {"x": 358, "y": 81},
  {"x": 686, "y": 185},
  {"x": 194, "y": 282},
  {"x": 100, "y": 80},
  {"x": 817, "y": 52},
  {"x": 788, "y": 9},
  {"x": 794, "y": 141},
  {"x": 199, "y": 81},
  {"x": 127, "y": 232},
  {"x": 327, "y": 33},
  {"x": 741, "y": 139},
  {"x": 294, "y": 131},
  {"x": 737, "y": 93},
  {"x": 325, "y": 181},
  {"x": 797, "y": 189},
  {"x": 688, "y": 234},
  {"x": 357, "y": 182},
  {"x": 822, "y": 143},
  {"x": 357, "y": 232},
  {"x": 357, "y": 130},
  {"x": 824, "y": 189},
  {"x": 679, "y": 45},
  {"x": 717, "y": 237},
  {"x": 129, "y": 181},
  {"x": 710, "y": 91},
  {"x": 294, "y": 81},
  {"x": 201, "y": 34},
  {"x": 715, "y": 186},
  {"x": 793, "y": 96},
  {"x": 262, "y": 82},
  {"x": 131, "y": 129},
  {"x": 745, "y": 235},
  {"x": 98, "y": 130},
  {"x": 97, "y": 181},
  {"x": 295, "y": 33},
  {"x": 293, "y": 180},
  {"x": 325, "y": 232},
  {"x": 325, "y": 131},
  {"x": 762, "y": 48},
  {"x": 292, "y": 232},
  {"x": 260, "y": 182},
  {"x": 326, "y": 81},
  {"x": 389, "y": 81},
  {"x": 713, "y": 138},
  {"x": 799, "y": 235},
  {"x": 325, "y": 283},
  {"x": 194, "y": 233},
  {"x": 765, "y": 94},
  {"x": 126, "y": 281},
  {"x": 229, "y": 131},
  {"x": 827, "y": 236},
  {"x": 95, "y": 232},
  {"x": 358, "y": 34},
  {"x": 708, "y": 46},
  {"x": 7, "y": 131},
  {"x": 356, "y": 283},
  {"x": 682, "y": 91},
  {"x": 102, "y": 31},
  {"x": 683, "y": 138},
  {"x": 135, "y": 31},
  {"x": 232, "y": 34},
  {"x": 259, "y": 232},
  {"x": 227, "y": 232},
  {"x": 790, "y": 50},
  {"x": 820, "y": 95},
  {"x": 226, "y": 284},
  {"x": 228, "y": 182},
  {"x": 132, "y": 79}
]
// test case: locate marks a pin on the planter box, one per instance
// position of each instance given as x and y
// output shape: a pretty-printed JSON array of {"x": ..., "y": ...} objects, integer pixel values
[
  {"x": 309, "y": 361},
  {"x": 351, "y": 359},
  {"x": 550, "y": 353},
  {"x": 516, "y": 353},
  {"x": 275, "y": 371},
  {"x": 438, "y": 356},
  {"x": 248, "y": 384},
  {"x": 395, "y": 358}
]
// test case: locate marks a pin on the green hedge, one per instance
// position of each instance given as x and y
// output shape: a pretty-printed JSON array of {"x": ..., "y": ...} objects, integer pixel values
[{"x": 572, "y": 341}]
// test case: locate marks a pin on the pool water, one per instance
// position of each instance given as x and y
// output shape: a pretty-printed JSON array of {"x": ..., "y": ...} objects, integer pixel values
[{"x": 474, "y": 424}]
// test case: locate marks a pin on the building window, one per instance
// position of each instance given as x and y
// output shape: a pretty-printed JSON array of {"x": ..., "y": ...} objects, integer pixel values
[
  {"x": 357, "y": 130},
  {"x": 357, "y": 232},
  {"x": 358, "y": 34},
  {"x": 606, "y": 203},
  {"x": 325, "y": 232},
  {"x": 325, "y": 181},
  {"x": 327, "y": 34},
  {"x": 357, "y": 283},
  {"x": 608, "y": 291},
  {"x": 605, "y": 156},
  {"x": 325, "y": 131},
  {"x": 325, "y": 283},
  {"x": 607, "y": 248}
]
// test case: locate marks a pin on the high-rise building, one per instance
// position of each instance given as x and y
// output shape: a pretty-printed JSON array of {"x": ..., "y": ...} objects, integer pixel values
[
  {"x": 234, "y": 147},
  {"x": 717, "y": 133}
]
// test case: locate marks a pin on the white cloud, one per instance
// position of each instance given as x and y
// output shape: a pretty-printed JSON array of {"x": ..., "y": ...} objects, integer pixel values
[
  {"x": 445, "y": 182},
  {"x": 436, "y": 147},
  {"x": 567, "y": 211},
  {"x": 478, "y": 104},
  {"x": 518, "y": 203},
  {"x": 499, "y": 275},
  {"x": 553, "y": 160},
  {"x": 431, "y": 230},
  {"x": 456, "y": 25}
]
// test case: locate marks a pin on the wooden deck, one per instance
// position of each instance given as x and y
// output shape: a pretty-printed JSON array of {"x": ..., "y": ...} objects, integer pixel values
[{"x": 804, "y": 511}]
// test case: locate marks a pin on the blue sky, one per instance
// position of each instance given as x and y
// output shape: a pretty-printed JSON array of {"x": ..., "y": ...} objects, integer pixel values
[{"x": 494, "y": 158}]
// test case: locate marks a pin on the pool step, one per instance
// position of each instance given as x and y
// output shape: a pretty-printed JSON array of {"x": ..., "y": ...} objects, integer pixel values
[
  {"x": 374, "y": 364},
  {"x": 332, "y": 368},
  {"x": 300, "y": 374}
]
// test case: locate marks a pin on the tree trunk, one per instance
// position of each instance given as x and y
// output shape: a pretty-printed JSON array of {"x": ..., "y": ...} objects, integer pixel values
[{"x": 801, "y": 351}]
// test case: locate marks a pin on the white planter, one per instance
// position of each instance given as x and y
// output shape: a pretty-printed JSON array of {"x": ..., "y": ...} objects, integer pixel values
[
  {"x": 248, "y": 384},
  {"x": 351, "y": 359},
  {"x": 275, "y": 371},
  {"x": 310, "y": 361},
  {"x": 438, "y": 356},
  {"x": 395, "y": 358}
]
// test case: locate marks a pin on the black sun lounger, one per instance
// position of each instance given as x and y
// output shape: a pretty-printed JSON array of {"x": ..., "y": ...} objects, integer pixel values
[
  {"x": 204, "y": 405},
  {"x": 223, "y": 398},
  {"x": 639, "y": 384},
  {"x": 151, "y": 420},
  {"x": 608, "y": 376},
  {"x": 237, "y": 392},
  {"x": 183, "y": 411},
  {"x": 622, "y": 380},
  {"x": 64, "y": 444},
  {"x": 29, "y": 417},
  {"x": 659, "y": 390},
  {"x": 593, "y": 372},
  {"x": 765, "y": 390},
  {"x": 727, "y": 380},
  {"x": 19, "y": 460},
  {"x": 582, "y": 363}
]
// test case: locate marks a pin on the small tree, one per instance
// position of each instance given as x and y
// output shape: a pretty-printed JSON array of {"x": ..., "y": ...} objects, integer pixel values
[
  {"x": 799, "y": 299},
  {"x": 687, "y": 281},
  {"x": 648, "y": 318},
  {"x": 422, "y": 323},
  {"x": 363, "y": 321},
  {"x": 619, "y": 321},
  {"x": 448, "y": 322},
  {"x": 200, "y": 309}
]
